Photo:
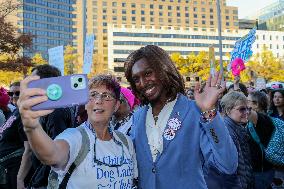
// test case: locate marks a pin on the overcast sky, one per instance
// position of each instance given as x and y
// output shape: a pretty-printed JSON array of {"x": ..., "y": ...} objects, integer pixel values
[{"x": 247, "y": 7}]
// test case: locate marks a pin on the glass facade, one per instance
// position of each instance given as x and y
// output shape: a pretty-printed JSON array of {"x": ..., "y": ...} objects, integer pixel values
[{"x": 50, "y": 22}]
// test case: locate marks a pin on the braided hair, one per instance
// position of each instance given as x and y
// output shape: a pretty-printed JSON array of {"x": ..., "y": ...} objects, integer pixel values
[{"x": 158, "y": 59}]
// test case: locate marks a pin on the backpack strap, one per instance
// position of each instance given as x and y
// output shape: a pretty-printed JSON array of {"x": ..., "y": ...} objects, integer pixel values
[
  {"x": 123, "y": 138},
  {"x": 254, "y": 135},
  {"x": 16, "y": 153},
  {"x": 84, "y": 150}
]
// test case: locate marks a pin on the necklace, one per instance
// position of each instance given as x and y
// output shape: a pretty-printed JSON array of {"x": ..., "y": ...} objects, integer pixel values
[{"x": 99, "y": 162}]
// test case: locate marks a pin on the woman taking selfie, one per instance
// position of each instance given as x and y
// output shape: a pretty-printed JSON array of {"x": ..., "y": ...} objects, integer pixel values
[{"x": 110, "y": 159}]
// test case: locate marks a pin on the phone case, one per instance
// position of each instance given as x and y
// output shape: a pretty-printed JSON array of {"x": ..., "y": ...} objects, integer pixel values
[{"x": 63, "y": 91}]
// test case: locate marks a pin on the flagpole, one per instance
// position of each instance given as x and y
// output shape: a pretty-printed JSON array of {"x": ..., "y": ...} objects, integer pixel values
[{"x": 220, "y": 37}]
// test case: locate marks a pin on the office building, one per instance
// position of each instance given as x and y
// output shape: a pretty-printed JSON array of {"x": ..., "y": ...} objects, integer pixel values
[
  {"x": 51, "y": 23},
  {"x": 271, "y": 17},
  {"x": 196, "y": 14},
  {"x": 124, "y": 40}
]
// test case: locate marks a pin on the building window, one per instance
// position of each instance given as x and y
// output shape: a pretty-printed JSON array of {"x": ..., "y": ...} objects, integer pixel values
[
  {"x": 236, "y": 24},
  {"x": 211, "y": 17},
  {"x": 160, "y": 6},
  {"x": 123, "y": 11},
  {"x": 124, "y": 18},
  {"x": 178, "y": 21},
  {"x": 104, "y": 3},
  {"x": 186, "y": 8},
  {"x": 133, "y": 5},
  {"x": 178, "y": 8},
  {"x": 170, "y": 20},
  {"x": 104, "y": 11},
  {"x": 270, "y": 46},
  {"x": 151, "y": 19},
  {"x": 195, "y": 22},
  {"x": 235, "y": 11},
  {"x": 160, "y": 13},
  {"x": 133, "y": 11},
  {"x": 195, "y": 15},
  {"x": 178, "y": 14},
  {"x": 227, "y": 11},
  {"x": 227, "y": 18},
  {"x": 203, "y": 16},
  {"x": 114, "y": 4},
  {"x": 169, "y": 7},
  {"x": 186, "y": 14},
  {"x": 211, "y": 10},
  {"x": 203, "y": 22},
  {"x": 270, "y": 37},
  {"x": 211, "y": 23},
  {"x": 170, "y": 14},
  {"x": 203, "y": 9},
  {"x": 123, "y": 4},
  {"x": 142, "y": 19},
  {"x": 104, "y": 24},
  {"x": 161, "y": 20},
  {"x": 151, "y": 6},
  {"x": 143, "y": 6},
  {"x": 257, "y": 46},
  {"x": 194, "y": 9},
  {"x": 133, "y": 18},
  {"x": 263, "y": 37},
  {"x": 142, "y": 12},
  {"x": 187, "y": 21},
  {"x": 114, "y": 18},
  {"x": 114, "y": 11},
  {"x": 151, "y": 12},
  {"x": 227, "y": 23}
]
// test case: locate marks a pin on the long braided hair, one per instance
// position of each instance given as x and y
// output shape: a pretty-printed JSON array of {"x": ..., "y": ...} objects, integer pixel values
[{"x": 159, "y": 60}]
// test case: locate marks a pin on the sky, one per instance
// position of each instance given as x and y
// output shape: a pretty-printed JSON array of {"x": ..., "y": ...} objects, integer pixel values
[{"x": 248, "y": 7}]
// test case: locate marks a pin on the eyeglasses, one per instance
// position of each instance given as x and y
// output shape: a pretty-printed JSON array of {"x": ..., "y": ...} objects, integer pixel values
[
  {"x": 17, "y": 93},
  {"x": 244, "y": 110},
  {"x": 102, "y": 96}
]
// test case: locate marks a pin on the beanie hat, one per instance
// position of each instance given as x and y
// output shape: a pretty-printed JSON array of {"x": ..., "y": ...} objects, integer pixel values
[
  {"x": 128, "y": 96},
  {"x": 4, "y": 97}
]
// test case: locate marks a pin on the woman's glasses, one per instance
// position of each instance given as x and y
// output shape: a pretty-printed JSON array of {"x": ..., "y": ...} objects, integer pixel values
[
  {"x": 102, "y": 96},
  {"x": 11, "y": 94},
  {"x": 244, "y": 110}
]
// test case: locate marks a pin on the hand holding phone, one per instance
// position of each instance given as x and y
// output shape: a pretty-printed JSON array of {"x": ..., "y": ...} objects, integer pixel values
[{"x": 63, "y": 91}]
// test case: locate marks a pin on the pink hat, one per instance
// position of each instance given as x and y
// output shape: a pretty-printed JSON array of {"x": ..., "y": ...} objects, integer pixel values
[
  {"x": 128, "y": 96},
  {"x": 4, "y": 97}
]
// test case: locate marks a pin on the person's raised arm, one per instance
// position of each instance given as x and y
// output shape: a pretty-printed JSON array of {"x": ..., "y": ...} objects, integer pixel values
[{"x": 49, "y": 152}]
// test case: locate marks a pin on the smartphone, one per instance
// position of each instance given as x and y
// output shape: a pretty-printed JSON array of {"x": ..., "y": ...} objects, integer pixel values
[{"x": 62, "y": 91}]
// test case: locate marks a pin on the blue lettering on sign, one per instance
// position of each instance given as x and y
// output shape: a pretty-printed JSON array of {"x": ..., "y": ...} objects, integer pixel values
[{"x": 242, "y": 48}]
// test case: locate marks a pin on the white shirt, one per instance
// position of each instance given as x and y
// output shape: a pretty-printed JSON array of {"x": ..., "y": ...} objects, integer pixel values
[
  {"x": 155, "y": 132},
  {"x": 90, "y": 175}
]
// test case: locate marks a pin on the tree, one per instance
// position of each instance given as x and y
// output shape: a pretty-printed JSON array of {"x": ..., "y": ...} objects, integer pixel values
[
  {"x": 71, "y": 64},
  {"x": 97, "y": 66},
  {"x": 12, "y": 43},
  {"x": 38, "y": 59},
  {"x": 265, "y": 65},
  {"x": 194, "y": 64}
]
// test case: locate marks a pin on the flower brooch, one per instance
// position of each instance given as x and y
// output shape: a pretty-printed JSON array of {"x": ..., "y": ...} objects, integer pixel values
[{"x": 174, "y": 124}]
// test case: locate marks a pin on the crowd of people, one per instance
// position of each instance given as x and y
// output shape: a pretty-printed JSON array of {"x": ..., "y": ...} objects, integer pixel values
[{"x": 152, "y": 134}]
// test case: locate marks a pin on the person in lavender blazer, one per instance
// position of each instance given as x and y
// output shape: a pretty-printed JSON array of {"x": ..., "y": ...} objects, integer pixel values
[{"x": 174, "y": 137}]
